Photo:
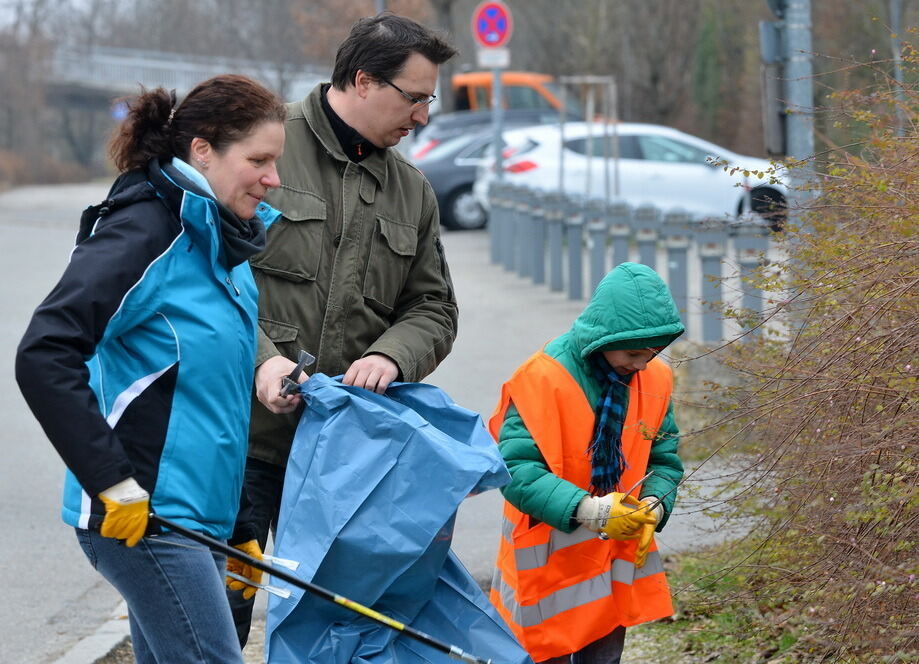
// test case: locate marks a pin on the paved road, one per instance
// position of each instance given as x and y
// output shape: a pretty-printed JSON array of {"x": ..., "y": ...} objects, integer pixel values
[{"x": 52, "y": 597}]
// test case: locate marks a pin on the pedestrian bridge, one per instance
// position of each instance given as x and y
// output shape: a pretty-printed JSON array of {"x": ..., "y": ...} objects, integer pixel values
[{"x": 118, "y": 71}]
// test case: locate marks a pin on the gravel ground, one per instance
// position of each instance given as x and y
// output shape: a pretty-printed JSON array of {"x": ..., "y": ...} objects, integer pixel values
[{"x": 641, "y": 647}]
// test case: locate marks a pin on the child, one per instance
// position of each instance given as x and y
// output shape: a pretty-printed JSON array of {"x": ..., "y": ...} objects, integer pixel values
[{"x": 586, "y": 425}]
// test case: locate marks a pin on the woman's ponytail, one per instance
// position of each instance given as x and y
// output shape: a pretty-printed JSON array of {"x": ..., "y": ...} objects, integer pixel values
[{"x": 146, "y": 131}]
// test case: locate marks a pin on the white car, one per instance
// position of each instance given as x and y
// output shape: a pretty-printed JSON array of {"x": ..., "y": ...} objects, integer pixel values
[{"x": 657, "y": 165}]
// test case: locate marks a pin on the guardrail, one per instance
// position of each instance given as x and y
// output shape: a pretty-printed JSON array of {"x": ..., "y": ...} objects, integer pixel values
[{"x": 566, "y": 242}]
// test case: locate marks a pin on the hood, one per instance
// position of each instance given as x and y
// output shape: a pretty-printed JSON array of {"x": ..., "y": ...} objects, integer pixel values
[{"x": 631, "y": 303}]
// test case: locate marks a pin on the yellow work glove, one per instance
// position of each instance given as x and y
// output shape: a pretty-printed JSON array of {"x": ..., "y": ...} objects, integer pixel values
[
  {"x": 239, "y": 567},
  {"x": 127, "y": 508},
  {"x": 647, "y": 530},
  {"x": 615, "y": 515}
]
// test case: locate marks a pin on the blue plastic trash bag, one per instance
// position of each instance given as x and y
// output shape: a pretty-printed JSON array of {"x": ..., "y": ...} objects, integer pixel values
[{"x": 372, "y": 488}]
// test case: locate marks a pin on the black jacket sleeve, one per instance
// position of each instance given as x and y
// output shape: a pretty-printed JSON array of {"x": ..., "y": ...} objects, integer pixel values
[{"x": 68, "y": 325}]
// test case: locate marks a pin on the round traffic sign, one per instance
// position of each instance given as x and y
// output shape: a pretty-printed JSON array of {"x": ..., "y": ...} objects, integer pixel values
[{"x": 492, "y": 24}]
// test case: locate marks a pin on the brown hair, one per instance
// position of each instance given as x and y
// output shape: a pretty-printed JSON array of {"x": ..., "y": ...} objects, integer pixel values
[
  {"x": 221, "y": 110},
  {"x": 381, "y": 44}
]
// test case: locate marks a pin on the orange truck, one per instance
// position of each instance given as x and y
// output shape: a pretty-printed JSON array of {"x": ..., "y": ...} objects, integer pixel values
[{"x": 520, "y": 89}]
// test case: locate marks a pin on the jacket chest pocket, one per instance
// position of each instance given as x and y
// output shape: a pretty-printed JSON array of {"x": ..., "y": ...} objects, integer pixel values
[
  {"x": 392, "y": 249},
  {"x": 294, "y": 249}
]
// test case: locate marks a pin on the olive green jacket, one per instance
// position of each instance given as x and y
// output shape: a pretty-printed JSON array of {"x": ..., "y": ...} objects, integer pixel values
[
  {"x": 354, "y": 267},
  {"x": 631, "y": 302}
]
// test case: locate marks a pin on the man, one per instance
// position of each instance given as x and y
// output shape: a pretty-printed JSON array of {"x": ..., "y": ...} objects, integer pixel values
[{"x": 354, "y": 272}]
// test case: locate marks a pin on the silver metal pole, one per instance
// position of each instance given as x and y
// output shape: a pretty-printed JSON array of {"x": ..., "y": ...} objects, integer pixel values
[
  {"x": 561, "y": 135},
  {"x": 799, "y": 93},
  {"x": 591, "y": 111},
  {"x": 613, "y": 104},
  {"x": 497, "y": 118},
  {"x": 896, "y": 18}
]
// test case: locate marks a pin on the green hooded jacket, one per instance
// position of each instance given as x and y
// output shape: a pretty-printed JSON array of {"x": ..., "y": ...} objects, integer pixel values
[
  {"x": 355, "y": 266},
  {"x": 630, "y": 303}
]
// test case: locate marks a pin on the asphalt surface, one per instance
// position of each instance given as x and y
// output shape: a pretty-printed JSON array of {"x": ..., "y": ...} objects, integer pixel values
[{"x": 54, "y": 603}]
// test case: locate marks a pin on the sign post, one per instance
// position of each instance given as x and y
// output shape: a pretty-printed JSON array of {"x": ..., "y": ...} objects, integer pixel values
[{"x": 492, "y": 27}]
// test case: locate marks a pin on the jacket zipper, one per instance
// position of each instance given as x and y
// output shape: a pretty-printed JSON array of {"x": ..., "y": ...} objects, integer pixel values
[{"x": 230, "y": 282}]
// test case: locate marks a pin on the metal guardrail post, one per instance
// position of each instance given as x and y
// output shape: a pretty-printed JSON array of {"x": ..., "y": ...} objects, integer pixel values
[
  {"x": 542, "y": 204},
  {"x": 495, "y": 219},
  {"x": 574, "y": 227},
  {"x": 620, "y": 228},
  {"x": 595, "y": 221},
  {"x": 677, "y": 238},
  {"x": 523, "y": 250},
  {"x": 554, "y": 226},
  {"x": 510, "y": 227},
  {"x": 711, "y": 239},
  {"x": 751, "y": 242},
  {"x": 646, "y": 220}
]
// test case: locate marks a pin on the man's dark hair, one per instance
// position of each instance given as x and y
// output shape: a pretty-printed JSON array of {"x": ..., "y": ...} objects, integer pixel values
[{"x": 380, "y": 45}]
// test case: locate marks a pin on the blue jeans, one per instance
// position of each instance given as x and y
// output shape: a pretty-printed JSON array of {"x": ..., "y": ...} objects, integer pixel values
[
  {"x": 174, "y": 589},
  {"x": 607, "y": 650}
]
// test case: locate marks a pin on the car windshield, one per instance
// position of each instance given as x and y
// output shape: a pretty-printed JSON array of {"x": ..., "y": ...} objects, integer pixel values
[{"x": 448, "y": 147}]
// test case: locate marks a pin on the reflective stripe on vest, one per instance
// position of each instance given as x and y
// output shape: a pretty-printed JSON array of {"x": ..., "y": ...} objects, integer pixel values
[
  {"x": 533, "y": 557},
  {"x": 577, "y": 594}
]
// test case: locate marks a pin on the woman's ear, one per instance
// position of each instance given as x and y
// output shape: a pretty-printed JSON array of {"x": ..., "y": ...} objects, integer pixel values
[{"x": 200, "y": 153}]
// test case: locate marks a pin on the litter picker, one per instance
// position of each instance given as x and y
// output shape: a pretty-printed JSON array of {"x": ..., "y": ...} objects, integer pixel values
[{"x": 319, "y": 591}]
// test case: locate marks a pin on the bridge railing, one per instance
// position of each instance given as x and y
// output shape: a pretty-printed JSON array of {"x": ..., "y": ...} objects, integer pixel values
[{"x": 121, "y": 69}]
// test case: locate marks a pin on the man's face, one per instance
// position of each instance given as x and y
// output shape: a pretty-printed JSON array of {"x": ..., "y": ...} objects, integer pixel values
[{"x": 389, "y": 115}]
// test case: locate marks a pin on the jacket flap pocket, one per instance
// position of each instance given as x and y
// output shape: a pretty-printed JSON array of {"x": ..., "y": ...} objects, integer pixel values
[
  {"x": 401, "y": 238},
  {"x": 298, "y": 205},
  {"x": 277, "y": 331}
]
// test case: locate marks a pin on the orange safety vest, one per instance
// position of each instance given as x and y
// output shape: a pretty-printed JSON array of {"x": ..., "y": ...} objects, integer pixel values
[{"x": 562, "y": 591}]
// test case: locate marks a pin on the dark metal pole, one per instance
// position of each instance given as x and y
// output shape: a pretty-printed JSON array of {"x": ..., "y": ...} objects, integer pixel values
[{"x": 319, "y": 591}]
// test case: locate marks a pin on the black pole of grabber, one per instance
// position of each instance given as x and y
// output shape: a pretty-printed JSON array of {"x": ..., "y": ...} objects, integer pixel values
[{"x": 319, "y": 591}]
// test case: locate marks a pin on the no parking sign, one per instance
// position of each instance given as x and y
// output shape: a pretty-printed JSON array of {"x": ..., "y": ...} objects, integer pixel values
[{"x": 492, "y": 24}]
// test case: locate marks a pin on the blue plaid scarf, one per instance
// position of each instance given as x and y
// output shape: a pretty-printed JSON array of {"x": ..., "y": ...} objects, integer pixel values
[{"x": 606, "y": 459}]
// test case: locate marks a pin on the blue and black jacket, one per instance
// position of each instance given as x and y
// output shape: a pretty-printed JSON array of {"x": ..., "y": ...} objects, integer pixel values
[{"x": 139, "y": 363}]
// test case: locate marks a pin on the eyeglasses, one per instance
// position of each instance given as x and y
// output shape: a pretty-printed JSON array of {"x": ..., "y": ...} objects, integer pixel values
[{"x": 416, "y": 101}]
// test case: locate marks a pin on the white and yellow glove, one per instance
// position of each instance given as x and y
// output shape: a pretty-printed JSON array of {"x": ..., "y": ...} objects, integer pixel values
[
  {"x": 615, "y": 515},
  {"x": 127, "y": 508}
]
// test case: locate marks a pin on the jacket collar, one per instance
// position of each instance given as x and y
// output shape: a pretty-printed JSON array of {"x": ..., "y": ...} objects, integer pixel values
[
  {"x": 235, "y": 241},
  {"x": 377, "y": 163},
  {"x": 355, "y": 145}
]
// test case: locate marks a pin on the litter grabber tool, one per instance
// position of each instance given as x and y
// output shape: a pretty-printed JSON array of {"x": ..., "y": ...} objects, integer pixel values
[
  {"x": 319, "y": 591},
  {"x": 289, "y": 384},
  {"x": 274, "y": 590}
]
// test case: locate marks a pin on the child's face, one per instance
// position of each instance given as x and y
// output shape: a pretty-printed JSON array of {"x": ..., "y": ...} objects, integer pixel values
[{"x": 625, "y": 362}]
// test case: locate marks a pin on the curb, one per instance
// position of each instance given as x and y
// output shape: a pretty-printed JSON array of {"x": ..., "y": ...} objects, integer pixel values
[{"x": 101, "y": 642}]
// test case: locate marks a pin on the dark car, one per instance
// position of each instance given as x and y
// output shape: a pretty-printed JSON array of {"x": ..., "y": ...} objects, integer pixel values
[
  {"x": 450, "y": 167},
  {"x": 449, "y": 151},
  {"x": 447, "y": 125}
]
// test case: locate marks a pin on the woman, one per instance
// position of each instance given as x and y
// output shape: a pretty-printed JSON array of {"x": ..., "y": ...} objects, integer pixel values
[{"x": 139, "y": 363}]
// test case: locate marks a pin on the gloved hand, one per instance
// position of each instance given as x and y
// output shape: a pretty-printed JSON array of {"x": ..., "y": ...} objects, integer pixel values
[
  {"x": 239, "y": 567},
  {"x": 647, "y": 531},
  {"x": 127, "y": 508},
  {"x": 616, "y": 515}
]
